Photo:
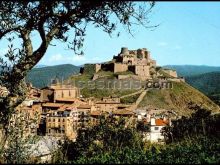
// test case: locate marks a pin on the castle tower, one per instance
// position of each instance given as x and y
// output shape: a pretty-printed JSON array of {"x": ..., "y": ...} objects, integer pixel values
[
  {"x": 124, "y": 50},
  {"x": 140, "y": 53}
]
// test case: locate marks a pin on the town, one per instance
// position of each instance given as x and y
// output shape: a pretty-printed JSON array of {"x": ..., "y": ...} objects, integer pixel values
[
  {"x": 94, "y": 82},
  {"x": 59, "y": 110}
]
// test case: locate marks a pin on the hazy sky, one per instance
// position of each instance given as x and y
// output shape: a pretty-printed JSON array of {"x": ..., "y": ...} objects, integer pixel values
[{"x": 189, "y": 33}]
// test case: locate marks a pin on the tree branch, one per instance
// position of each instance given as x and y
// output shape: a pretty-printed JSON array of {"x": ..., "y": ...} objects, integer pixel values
[
  {"x": 27, "y": 42},
  {"x": 3, "y": 33}
]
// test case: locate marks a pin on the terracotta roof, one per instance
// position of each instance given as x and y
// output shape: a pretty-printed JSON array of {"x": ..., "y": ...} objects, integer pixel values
[
  {"x": 107, "y": 102},
  {"x": 161, "y": 122},
  {"x": 52, "y": 105},
  {"x": 66, "y": 99},
  {"x": 67, "y": 107},
  {"x": 84, "y": 106},
  {"x": 95, "y": 113},
  {"x": 123, "y": 106}
]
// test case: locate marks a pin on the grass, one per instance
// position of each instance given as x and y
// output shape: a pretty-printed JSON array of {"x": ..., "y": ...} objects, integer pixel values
[
  {"x": 99, "y": 93},
  {"x": 130, "y": 99},
  {"x": 179, "y": 98}
]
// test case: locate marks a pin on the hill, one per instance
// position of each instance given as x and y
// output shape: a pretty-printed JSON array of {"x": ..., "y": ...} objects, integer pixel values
[
  {"x": 41, "y": 77},
  {"x": 208, "y": 83},
  {"x": 191, "y": 70},
  {"x": 40, "y": 66},
  {"x": 180, "y": 98}
]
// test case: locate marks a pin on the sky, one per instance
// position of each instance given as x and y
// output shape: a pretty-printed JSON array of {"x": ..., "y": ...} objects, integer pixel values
[{"x": 188, "y": 34}]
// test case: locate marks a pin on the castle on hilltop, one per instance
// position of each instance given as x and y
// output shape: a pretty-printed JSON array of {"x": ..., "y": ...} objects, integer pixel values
[{"x": 138, "y": 62}]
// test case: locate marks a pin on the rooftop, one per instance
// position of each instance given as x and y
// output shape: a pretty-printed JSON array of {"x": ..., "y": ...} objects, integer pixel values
[
  {"x": 57, "y": 105},
  {"x": 95, "y": 113},
  {"x": 161, "y": 122},
  {"x": 84, "y": 106}
]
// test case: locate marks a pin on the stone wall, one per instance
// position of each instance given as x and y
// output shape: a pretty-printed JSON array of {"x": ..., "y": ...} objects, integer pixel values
[
  {"x": 47, "y": 95},
  {"x": 118, "y": 67},
  {"x": 121, "y": 77},
  {"x": 142, "y": 70},
  {"x": 172, "y": 73},
  {"x": 98, "y": 67},
  {"x": 66, "y": 93}
]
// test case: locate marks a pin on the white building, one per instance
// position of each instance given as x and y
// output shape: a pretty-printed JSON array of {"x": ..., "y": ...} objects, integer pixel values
[{"x": 156, "y": 126}]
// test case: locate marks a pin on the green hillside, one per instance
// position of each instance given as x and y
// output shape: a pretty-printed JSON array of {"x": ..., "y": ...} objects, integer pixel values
[
  {"x": 208, "y": 83},
  {"x": 84, "y": 81},
  {"x": 41, "y": 77},
  {"x": 190, "y": 70},
  {"x": 179, "y": 99}
]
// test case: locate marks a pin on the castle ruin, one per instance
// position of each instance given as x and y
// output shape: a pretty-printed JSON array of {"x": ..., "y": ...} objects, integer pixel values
[{"x": 138, "y": 62}]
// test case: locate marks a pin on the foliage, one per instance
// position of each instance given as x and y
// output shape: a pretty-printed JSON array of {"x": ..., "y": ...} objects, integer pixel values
[
  {"x": 88, "y": 69},
  {"x": 100, "y": 144},
  {"x": 190, "y": 151},
  {"x": 17, "y": 149},
  {"x": 195, "y": 141},
  {"x": 200, "y": 123},
  {"x": 108, "y": 137},
  {"x": 143, "y": 127}
]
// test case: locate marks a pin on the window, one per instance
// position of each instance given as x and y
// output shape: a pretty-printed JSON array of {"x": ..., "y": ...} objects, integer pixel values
[{"x": 156, "y": 128}]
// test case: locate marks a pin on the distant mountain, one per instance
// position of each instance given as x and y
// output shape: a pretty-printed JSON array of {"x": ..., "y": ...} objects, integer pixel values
[
  {"x": 40, "y": 66},
  {"x": 191, "y": 70},
  {"x": 81, "y": 65},
  {"x": 41, "y": 77},
  {"x": 208, "y": 83}
]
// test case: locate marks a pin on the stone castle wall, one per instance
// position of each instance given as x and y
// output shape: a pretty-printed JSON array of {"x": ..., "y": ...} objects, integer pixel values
[
  {"x": 138, "y": 61},
  {"x": 172, "y": 73},
  {"x": 142, "y": 70},
  {"x": 118, "y": 67}
]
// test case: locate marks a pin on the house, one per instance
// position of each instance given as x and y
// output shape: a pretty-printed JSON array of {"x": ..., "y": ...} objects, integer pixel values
[
  {"x": 156, "y": 126},
  {"x": 108, "y": 104},
  {"x": 59, "y": 92},
  {"x": 94, "y": 117},
  {"x": 62, "y": 122}
]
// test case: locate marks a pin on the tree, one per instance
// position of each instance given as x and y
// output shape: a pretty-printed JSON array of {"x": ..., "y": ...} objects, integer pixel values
[
  {"x": 200, "y": 123},
  {"x": 53, "y": 20},
  {"x": 110, "y": 136}
]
